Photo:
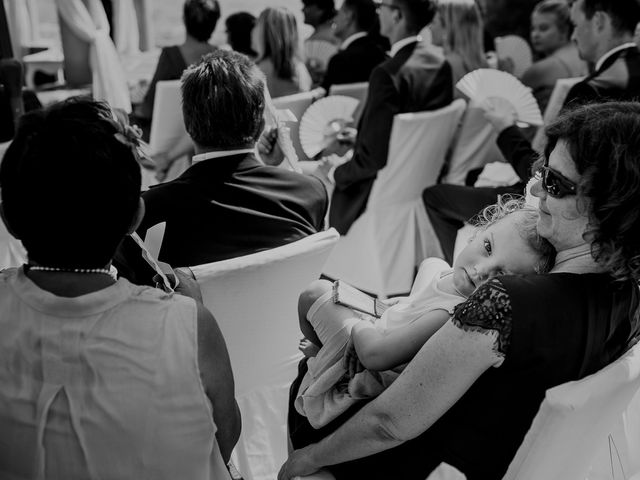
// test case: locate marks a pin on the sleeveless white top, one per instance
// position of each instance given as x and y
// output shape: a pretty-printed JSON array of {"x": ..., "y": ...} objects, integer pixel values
[{"x": 105, "y": 385}]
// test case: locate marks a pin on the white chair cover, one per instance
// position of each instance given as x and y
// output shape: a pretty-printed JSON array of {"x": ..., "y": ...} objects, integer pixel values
[
  {"x": 125, "y": 26},
  {"x": 298, "y": 104},
  {"x": 359, "y": 91},
  {"x": 473, "y": 147},
  {"x": 12, "y": 253},
  {"x": 383, "y": 247},
  {"x": 558, "y": 96},
  {"x": 22, "y": 18},
  {"x": 88, "y": 21},
  {"x": 575, "y": 421},
  {"x": 254, "y": 299}
]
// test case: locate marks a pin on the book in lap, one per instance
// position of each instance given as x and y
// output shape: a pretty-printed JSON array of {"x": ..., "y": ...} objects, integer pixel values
[{"x": 349, "y": 296}]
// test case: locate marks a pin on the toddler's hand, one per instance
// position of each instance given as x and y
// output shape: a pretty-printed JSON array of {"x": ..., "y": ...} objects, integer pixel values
[{"x": 350, "y": 359}]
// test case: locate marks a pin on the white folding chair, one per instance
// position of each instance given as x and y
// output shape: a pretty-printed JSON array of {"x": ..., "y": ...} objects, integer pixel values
[
  {"x": 254, "y": 299},
  {"x": 393, "y": 235},
  {"x": 473, "y": 147},
  {"x": 575, "y": 420},
  {"x": 298, "y": 104},
  {"x": 359, "y": 91},
  {"x": 556, "y": 100}
]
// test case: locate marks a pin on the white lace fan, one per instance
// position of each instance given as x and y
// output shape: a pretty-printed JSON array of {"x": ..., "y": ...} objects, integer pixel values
[
  {"x": 318, "y": 53},
  {"x": 323, "y": 121},
  {"x": 485, "y": 82}
]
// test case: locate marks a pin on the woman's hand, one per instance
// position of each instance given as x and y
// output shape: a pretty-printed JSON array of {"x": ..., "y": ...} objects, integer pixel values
[
  {"x": 499, "y": 112},
  {"x": 350, "y": 359},
  {"x": 298, "y": 464}
]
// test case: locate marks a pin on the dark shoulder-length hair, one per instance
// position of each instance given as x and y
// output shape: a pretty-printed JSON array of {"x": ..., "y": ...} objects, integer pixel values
[{"x": 604, "y": 143}]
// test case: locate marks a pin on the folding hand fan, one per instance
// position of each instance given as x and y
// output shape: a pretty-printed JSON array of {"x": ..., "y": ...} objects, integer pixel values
[
  {"x": 318, "y": 53},
  {"x": 517, "y": 50},
  {"x": 323, "y": 121},
  {"x": 485, "y": 82}
]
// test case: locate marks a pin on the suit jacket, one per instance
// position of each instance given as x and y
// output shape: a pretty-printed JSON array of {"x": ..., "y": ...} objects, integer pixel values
[
  {"x": 618, "y": 79},
  {"x": 417, "y": 78},
  {"x": 227, "y": 207},
  {"x": 354, "y": 63}
]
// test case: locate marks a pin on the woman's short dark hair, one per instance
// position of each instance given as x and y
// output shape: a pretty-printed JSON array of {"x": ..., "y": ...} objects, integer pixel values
[
  {"x": 604, "y": 143},
  {"x": 200, "y": 18},
  {"x": 223, "y": 100},
  {"x": 559, "y": 8},
  {"x": 239, "y": 27},
  {"x": 70, "y": 188},
  {"x": 327, "y": 7}
]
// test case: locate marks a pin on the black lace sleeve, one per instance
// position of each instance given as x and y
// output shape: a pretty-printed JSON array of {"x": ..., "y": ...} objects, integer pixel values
[{"x": 487, "y": 309}]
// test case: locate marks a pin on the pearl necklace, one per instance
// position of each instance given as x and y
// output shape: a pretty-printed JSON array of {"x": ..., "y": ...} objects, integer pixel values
[{"x": 112, "y": 272}]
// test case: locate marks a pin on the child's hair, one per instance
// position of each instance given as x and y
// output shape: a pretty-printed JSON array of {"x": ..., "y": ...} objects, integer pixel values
[{"x": 509, "y": 204}]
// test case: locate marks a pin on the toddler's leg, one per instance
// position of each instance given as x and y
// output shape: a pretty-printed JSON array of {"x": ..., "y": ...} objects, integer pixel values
[{"x": 307, "y": 298}]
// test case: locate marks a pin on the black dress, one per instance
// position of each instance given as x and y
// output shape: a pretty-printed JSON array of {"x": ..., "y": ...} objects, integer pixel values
[{"x": 551, "y": 329}]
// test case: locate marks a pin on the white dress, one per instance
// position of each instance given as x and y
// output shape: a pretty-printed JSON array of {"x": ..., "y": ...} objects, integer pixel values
[
  {"x": 326, "y": 391},
  {"x": 104, "y": 385}
]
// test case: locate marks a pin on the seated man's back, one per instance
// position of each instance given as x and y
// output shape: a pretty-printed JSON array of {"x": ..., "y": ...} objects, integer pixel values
[{"x": 228, "y": 203}]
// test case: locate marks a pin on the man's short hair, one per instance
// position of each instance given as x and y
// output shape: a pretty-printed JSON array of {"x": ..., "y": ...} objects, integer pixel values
[
  {"x": 328, "y": 8},
  {"x": 200, "y": 18},
  {"x": 625, "y": 14},
  {"x": 418, "y": 13},
  {"x": 364, "y": 12}
]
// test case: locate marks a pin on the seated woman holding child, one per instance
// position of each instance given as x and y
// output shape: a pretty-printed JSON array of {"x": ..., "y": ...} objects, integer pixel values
[{"x": 469, "y": 394}]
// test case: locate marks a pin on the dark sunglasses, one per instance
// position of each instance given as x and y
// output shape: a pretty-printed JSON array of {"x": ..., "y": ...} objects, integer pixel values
[{"x": 556, "y": 184}]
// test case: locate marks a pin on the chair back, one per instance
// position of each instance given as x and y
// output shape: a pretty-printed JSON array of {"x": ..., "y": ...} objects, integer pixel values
[
  {"x": 417, "y": 149},
  {"x": 167, "y": 123},
  {"x": 254, "y": 299},
  {"x": 574, "y": 420},
  {"x": 298, "y": 104},
  {"x": 473, "y": 147},
  {"x": 359, "y": 91},
  {"x": 556, "y": 101}
]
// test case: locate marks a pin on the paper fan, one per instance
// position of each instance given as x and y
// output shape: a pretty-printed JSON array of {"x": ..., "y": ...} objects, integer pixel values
[
  {"x": 323, "y": 121},
  {"x": 318, "y": 53},
  {"x": 517, "y": 50},
  {"x": 485, "y": 83}
]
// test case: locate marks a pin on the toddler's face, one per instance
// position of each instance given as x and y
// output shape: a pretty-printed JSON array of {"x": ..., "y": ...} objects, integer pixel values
[{"x": 498, "y": 250}]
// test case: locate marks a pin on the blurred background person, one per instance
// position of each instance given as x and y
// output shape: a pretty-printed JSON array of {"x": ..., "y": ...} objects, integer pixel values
[
  {"x": 356, "y": 24},
  {"x": 319, "y": 14},
  {"x": 239, "y": 27},
  {"x": 551, "y": 31},
  {"x": 200, "y": 19},
  {"x": 458, "y": 28},
  {"x": 275, "y": 39}
]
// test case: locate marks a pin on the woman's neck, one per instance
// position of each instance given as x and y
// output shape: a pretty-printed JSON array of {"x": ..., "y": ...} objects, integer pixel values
[{"x": 577, "y": 259}]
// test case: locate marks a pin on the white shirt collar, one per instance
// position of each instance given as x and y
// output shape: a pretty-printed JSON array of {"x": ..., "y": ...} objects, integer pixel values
[
  {"x": 221, "y": 153},
  {"x": 604, "y": 57},
  {"x": 352, "y": 38},
  {"x": 396, "y": 47}
]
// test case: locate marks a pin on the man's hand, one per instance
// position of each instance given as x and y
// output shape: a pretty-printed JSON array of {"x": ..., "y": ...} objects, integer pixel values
[
  {"x": 298, "y": 464},
  {"x": 268, "y": 148},
  {"x": 499, "y": 112}
]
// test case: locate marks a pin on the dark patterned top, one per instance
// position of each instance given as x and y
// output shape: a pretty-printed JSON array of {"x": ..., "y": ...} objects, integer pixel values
[{"x": 487, "y": 309}]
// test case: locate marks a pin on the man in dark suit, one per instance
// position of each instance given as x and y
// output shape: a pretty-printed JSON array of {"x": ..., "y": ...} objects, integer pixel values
[
  {"x": 415, "y": 78},
  {"x": 359, "y": 52},
  {"x": 228, "y": 203},
  {"x": 604, "y": 35}
]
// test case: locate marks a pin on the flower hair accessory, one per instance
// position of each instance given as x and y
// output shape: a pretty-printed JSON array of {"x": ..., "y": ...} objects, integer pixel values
[{"x": 131, "y": 136}]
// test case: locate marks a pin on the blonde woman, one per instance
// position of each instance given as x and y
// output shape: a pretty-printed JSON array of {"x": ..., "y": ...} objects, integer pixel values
[
  {"x": 275, "y": 39},
  {"x": 458, "y": 29}
]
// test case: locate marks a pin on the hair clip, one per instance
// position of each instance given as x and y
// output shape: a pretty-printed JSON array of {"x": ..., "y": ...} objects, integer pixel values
[{"x": 131, "y": 136}]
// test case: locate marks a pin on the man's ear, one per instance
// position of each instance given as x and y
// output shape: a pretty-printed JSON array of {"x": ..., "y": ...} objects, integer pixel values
[
  {"x": 137, "y": 218},
  {"x": 7, "y": 224},
  {"x": 601, "y": 20},
  {"x": 397, "y": 15}
]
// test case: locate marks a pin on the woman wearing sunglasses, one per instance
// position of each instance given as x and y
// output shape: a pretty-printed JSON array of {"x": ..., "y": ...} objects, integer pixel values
[{"x": 470, "y": 394}]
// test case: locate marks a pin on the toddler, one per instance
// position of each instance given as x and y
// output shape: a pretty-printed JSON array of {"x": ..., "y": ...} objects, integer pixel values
[{"x": 360, "y": 355}]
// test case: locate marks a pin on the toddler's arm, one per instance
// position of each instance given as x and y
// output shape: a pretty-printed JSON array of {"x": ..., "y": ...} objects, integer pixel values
[{"x": 378, "y": 351}]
